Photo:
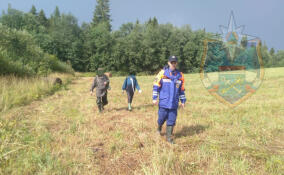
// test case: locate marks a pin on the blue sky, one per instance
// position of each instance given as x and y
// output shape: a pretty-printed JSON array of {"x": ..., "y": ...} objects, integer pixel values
[{"x": 262, "y": 18}]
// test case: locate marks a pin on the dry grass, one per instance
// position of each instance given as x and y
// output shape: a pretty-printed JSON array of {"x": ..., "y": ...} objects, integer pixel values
[{"x": 65, "y": 134}]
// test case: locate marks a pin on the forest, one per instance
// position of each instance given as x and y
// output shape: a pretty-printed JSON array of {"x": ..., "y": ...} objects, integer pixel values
[{"x": 33, "y": 44}]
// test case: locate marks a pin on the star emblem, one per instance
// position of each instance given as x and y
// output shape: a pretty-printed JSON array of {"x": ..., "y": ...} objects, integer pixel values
[
  {"x": 233, "y": 36},
  {"x": 232, "y": 33}
]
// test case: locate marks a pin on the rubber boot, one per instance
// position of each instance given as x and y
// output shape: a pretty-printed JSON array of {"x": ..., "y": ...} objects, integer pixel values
[
  {"x": 169, "y": 133},
  {"x": 100, "y": 106},
  {"x": 129, "y": 107},
  {"x": 159, "y": 129}
]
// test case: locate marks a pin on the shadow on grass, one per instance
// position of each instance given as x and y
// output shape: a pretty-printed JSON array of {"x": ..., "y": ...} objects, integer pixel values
[
  {"x": 190, "y": 130},
  {"x": 133, "y": 108},
  {"x": 144, "y": 106}
]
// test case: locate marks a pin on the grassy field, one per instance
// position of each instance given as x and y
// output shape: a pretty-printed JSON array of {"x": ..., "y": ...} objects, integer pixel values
[
  {"x": 15, "y": 91},
  {"x": 65, "y": 134}
]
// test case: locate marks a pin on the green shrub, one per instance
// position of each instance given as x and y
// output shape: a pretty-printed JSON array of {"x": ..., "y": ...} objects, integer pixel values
[{"x": 20, "y": 55}]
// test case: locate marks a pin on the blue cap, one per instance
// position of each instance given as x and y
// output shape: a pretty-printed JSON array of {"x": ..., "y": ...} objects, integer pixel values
[{"x": 172, "y": 58}]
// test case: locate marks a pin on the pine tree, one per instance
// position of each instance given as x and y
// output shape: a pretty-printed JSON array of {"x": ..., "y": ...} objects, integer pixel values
[
  {"x": 33, "y": 10},
  {"x": 155, "y": 22},
  {"x": 102, "y": 13},
  {"x": 272, "y": 51},
  {"x": 56, "y": 12},
  {"x": 42, "y": 18}
]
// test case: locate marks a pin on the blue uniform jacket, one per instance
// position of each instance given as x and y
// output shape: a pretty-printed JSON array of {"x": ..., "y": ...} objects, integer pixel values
[
  {"x": 130, "y": 83},
  {"x": 169, "y": 86}
]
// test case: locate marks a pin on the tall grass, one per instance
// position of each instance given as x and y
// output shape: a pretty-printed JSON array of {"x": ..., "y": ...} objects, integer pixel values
[
  {"x": 25, "y": 148},
  {"x": 15, "y": 91},
  {"x": 25, "y": 143}
]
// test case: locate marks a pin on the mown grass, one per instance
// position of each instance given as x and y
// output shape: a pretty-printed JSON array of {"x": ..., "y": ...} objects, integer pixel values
[{"x": 65, "y": 134}]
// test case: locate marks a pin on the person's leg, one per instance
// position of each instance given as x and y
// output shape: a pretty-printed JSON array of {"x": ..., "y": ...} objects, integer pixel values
[
  {"x": 104, "y": 100},
  {"x": 163, "y": 115},
  {"x": 172, "y": 117},
  {"x": 170, "y": 124},
  {"x": 129, "y": 97},
  {"x": 99, "y": 103}
]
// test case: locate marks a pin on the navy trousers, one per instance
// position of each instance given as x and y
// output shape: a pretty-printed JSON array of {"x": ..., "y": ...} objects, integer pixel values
[{"x": 169, "y": 115}]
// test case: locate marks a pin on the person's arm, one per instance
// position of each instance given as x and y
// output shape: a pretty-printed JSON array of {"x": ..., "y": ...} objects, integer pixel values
[
  {"x": 107, "y": 82},
  {"x": 157, "y": 86},
  {"x": 182, "y": 89},
  {"x": 94, "y": 85},
  {"x": 124, "y": 84},
  {"x": 137, "y": 85}
]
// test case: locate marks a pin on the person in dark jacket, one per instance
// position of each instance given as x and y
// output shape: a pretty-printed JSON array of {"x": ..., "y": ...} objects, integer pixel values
[
  {"x": 101, "y": 82},
  {"x": 129, "y": 85},
  {"x": 169, "y": 86}
]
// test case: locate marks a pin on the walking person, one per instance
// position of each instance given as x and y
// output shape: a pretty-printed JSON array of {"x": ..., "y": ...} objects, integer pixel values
[
  {"x": 101, "y": 83},
  {"x": 129, "y": 85},
  {"x": 169, "y": 87}
]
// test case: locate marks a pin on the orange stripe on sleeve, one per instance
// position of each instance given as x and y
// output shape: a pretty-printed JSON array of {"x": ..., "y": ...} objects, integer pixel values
[{"x": 182, "y": 79}]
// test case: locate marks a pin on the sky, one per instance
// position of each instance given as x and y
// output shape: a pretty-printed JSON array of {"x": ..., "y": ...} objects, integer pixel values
[{"x": 261, "y": 18}]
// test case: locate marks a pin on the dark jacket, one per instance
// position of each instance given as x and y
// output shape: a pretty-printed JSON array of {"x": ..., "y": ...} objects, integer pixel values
[
  {"x": 130, "y": 83},
  {"x": 99, "y": 84}
]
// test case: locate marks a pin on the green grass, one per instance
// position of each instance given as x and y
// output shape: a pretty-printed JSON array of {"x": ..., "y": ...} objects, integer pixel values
[
  {"x": 85, "y": 74},
  {"x": 15, "y": 91},
  {"x": 24, "y": 145},
  {"x": 65, "y": 134},
  {"x": 25, "y": 148}
]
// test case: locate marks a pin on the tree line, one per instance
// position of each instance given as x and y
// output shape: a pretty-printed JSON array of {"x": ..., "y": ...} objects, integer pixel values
[{"x": 135, "y": 47}]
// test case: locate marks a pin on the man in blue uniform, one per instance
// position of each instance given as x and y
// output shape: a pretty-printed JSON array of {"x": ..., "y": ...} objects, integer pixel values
[{"x": 169, "y": 86}]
